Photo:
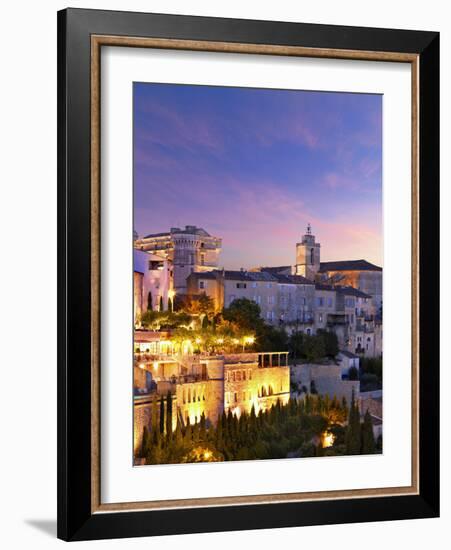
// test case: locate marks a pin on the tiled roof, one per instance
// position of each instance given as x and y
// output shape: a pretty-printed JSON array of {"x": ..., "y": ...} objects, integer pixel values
[
  {"x": 231, "y": 275},
  {"x": 276, "y": 269},
  {"x": 321, "y": 286},
  {"x": 204, "y": 275},
  {"x": 349, "y": 265},
  {"x": 292, "y": 279},
  {"x": 351, "y": 291}
]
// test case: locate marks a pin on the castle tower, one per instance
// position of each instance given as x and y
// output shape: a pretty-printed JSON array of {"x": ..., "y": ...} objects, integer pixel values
[{"x": 308, "y": 255}]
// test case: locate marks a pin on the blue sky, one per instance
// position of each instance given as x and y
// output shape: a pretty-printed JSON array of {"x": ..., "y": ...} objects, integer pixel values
[{"x": 254, "y": 166}]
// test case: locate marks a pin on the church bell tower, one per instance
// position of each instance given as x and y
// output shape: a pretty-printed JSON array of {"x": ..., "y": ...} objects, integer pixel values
[{"x": 308, "y": 255}]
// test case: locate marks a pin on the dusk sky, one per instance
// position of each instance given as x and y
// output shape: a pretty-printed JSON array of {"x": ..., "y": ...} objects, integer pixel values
[{"x": 254, "y": 166}]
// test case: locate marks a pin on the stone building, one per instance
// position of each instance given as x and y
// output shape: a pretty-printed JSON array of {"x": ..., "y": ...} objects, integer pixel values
[
  {"x": 152, "y": 283},
  {"x": 359, "y": 274},
  {"x": 307, "y": 256},
  {"x": 283, "y": 299},
  {"x": 189, "y": 250},
  {"x": 327, "y": 380},
  {"x": 202, "y": 384}
]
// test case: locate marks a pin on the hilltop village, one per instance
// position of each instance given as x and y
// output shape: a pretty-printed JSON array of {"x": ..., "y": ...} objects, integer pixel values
[{"x": 224, "y": 356}]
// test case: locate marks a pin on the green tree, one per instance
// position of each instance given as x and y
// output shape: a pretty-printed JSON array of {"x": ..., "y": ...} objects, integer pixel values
[
  {"x": 353, "y": 373},
  {"x": 146, "y": 442},
  {"x": 202, "y": 428},
  {"x": 313, "y": 348},
  {"x": 161, "y": 415},
  {"x": 352, "y": 439},
  {"x": 245, "y": 313},
  {"x": 330, "y": 341},
  {"x": 271, "y": 339},
  {"x": 295, "y": 344},
  {"x": 368, "y": 443},
  {"x": 169, "y": 414}
]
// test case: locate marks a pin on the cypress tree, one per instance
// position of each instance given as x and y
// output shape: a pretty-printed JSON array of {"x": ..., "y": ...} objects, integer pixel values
[
  {"x": 219, "y": 435},
  {"x": 154, "y": 414},
  {"x": 353, "y": 444},
  {"x": 161, "y": 415},
  {"x": 169, "y": 414},
  {"x": 188, "y": 435},
  {"x": 368, "y": 443},
  {"x": 202, "y": 428},
  {"x": 178, "y": 436},
  {"x": 145, "y": 447}
]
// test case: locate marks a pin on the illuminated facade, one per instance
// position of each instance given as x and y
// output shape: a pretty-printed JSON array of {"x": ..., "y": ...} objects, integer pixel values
[
  {"x": 202, "y": 384},
  {"x": 189, "y": 250},
  {"x": 152, "y": 283}
]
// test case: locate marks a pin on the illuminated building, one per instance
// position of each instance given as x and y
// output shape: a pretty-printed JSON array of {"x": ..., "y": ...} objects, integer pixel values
[
  {"x": 203, "y": 384},
  {"x": 189, "y": 250}
]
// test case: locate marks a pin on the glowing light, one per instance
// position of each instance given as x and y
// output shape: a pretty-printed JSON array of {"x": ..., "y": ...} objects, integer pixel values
[
  {"x": 235, "y": 341},
  {"x": 142, "y": 366},
  {"x": 249, "y": 340},
  {"x": 198, "y": 341},
  {"x": 328, "y": 439},
  {"x": 155, "y": 365},
  {"x": 171, "y": 294},
  {"x": 220, "y": 340},
  {"x": 207, "y": 455}
]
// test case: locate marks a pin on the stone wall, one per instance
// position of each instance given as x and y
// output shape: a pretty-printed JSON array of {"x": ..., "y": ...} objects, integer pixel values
[
  {"x": 247, "y": 385},
  {"x": 327, "y": 380}
]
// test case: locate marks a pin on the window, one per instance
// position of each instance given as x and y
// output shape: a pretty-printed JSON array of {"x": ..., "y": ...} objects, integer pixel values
[
  {"x": 270, "y": 315},
  {"x": 329, "y": 302},
  {"x": 312, "y": 256},
  {"x": 202, "y": 259},
  {"x": 254, "y": 284},
  {"x": 250, "y": 375},
  {"x": 238, "y": 376},
  {"x": 268, "y": 285},
  {"x": 320, "y": 301},
  {"x": 244, "y": 375},
  {"x": 201, "y": 284},
  {"x": 270, "y": 299},
  {"x": 235, "y": 396},
  {"x": 241, "y": 285},
  {"x": 231, "y": 298}
]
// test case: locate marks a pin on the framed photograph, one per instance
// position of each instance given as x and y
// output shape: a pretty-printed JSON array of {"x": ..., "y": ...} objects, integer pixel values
[{"x": 248, "y": 274}]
